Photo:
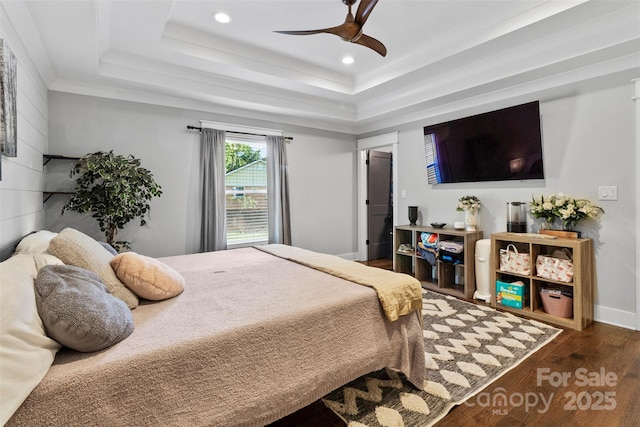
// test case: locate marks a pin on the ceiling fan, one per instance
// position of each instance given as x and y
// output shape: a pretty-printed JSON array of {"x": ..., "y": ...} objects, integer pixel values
[{"x": 351, "y": 29}]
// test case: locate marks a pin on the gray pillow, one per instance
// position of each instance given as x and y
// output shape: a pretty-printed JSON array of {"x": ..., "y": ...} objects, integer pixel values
[
  {"x": 109, "y": 248},
  {"x": 77, "y": 311}
]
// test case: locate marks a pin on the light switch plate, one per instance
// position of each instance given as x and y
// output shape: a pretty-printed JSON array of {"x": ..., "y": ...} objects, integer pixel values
[{"x": 608, "y": 192}]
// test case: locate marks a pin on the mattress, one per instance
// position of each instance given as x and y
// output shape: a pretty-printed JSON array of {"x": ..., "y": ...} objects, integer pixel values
[{"x": 252, "y": 338}]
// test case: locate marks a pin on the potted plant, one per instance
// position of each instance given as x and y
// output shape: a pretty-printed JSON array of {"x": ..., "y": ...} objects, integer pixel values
[
  {"x": 470, "y": 205},
  {"x": 566, "y": 208},
  {"x": 115, "y": 189}
]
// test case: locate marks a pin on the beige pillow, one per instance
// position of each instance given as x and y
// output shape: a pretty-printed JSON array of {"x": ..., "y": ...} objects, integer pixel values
[
  {"x": 76, "y": 248},
  {"x": 147, "y": 277}
]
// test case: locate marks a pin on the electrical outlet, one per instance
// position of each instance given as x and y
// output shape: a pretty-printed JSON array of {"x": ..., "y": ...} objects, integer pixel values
[
  {"x": 608, "y": 192},
  {"x": 403, "y": 194}
]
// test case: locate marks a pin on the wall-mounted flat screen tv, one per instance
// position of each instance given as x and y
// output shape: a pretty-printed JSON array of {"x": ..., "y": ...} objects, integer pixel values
[{"x": 499, "y": 145}]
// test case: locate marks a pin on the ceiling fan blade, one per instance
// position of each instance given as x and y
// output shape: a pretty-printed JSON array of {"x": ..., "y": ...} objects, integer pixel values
[
  {"x": 338, "y": 31},
  {"x": 301, "y": 33},
  {"x": 372, "y": 43},
  {"x": 364, "y": 10}
]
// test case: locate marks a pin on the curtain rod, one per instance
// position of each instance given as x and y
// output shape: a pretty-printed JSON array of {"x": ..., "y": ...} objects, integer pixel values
[{"x": 288, "y": 138}]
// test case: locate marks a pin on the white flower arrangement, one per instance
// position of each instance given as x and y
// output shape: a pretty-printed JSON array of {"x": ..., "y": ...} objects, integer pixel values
[
  {"x": 468, "y": 203},
  {"x": 566, "y": 208}
]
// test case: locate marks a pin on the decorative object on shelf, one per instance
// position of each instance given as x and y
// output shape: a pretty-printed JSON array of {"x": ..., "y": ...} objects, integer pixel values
[
  {"x": 458, "y": 225},
  {"x": 517, "y": 217},
  {"x": 470, "y": 205},
  {"x": 560, "y": 233},
  {"x": 569, "y": 210},
  {"x": 115, "y": 189},
  {"x": 413, "y": 215},
  {"x": 470, "y": 220},
  {"x": 438, "y": 224}
]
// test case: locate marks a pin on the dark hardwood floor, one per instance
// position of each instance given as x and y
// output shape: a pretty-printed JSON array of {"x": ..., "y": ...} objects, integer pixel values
[
  {"x": 601, "y": 370},
  {"x": 385, "y": 263},
  {"x": 581, "y": 378}
]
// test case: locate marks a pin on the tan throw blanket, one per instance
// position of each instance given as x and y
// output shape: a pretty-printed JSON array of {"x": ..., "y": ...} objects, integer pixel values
[{"x": 399, "y": 294}]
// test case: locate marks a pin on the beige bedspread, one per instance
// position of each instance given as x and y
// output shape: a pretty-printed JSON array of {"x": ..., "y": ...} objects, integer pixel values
[
  {"x": 252, "y": 338},
  {"x": 399, "y": 294}
]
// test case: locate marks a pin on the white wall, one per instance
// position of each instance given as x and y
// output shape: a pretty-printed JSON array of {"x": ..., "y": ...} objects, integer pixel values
[
  {"x": 322, "y": 172},
  {"x": 22, "y": 178},
  {"x": 588, "y": 142}
]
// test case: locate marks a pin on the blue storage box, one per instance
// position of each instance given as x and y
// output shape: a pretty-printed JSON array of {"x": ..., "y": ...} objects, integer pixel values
[{"x": 514, "y": 294}]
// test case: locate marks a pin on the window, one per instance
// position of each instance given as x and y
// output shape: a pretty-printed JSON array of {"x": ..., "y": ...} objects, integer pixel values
[
  {"x": 246, "y": 190},
  {"x": 238, "y": 192},
  {"x": 431, "y": 154}
]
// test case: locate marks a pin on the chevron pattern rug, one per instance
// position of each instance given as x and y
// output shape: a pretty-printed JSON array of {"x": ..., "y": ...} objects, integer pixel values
[{"x": 467, "y": 347}]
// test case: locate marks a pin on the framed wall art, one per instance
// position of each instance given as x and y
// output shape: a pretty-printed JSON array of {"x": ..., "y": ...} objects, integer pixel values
[{"x": 8, "y": 88}]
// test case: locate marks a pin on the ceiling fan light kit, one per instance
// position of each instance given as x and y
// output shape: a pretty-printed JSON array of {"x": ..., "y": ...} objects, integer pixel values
[{"x": 351, "y": 29}]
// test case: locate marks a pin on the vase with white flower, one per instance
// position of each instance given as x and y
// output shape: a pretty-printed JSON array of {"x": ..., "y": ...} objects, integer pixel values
[
  {"x": 470, "y": 205},
  {"x": 567, "y": 209}
]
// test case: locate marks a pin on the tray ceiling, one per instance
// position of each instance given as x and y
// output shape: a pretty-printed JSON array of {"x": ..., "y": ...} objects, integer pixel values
[{"x": 442, "y": 56}]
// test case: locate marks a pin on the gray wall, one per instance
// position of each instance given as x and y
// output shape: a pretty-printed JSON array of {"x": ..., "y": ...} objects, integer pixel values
[
  {"x": 322, "y": 173},
  {"x": 588, "y": 141}
]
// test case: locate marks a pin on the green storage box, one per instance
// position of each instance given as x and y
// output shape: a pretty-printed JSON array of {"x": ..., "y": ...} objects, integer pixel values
[{"x": 514, "y": 294}]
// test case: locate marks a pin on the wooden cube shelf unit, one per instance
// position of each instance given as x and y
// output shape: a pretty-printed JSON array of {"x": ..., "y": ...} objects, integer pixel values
[
  {"x": 581, "y": 287},
  {"x": 417, "y": 266}
]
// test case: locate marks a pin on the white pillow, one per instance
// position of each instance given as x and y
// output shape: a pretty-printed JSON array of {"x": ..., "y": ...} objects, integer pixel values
[
  {"x": 46, "y": 259},
  {"x": 26, "y": 352},
  {"x": 35, "y": 243}
]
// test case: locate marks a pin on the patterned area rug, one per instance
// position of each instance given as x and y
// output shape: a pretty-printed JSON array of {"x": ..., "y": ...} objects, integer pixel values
[{"x": 467, "y": 347}]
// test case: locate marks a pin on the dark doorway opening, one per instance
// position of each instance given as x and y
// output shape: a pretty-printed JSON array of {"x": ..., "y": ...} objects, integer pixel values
[{"x": 379, "y": 205}]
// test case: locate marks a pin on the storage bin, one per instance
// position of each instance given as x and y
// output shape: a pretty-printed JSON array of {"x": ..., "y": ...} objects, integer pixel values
[
  {"x": 554, "y": 268},
  {"x": 557, "y": 303},
  {"x": 513, "y": 294}
]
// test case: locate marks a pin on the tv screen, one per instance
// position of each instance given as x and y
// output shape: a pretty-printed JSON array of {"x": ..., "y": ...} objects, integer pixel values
[{"x": 499, "y": 145}]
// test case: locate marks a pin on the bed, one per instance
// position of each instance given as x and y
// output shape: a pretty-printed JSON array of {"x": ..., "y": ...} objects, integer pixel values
[{"x": 254, "y": 337}]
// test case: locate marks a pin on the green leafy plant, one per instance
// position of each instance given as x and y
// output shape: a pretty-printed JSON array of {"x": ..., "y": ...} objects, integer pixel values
[
  {"x": 566, "y": 208},
  {"x": 115, "y": 189},
  {"x": 468, "y": 203}
]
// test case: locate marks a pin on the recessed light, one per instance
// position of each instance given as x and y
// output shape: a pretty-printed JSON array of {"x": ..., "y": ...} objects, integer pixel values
[
  {"x": 222, "y": 17},
  {"x": 348, "y": 60}
]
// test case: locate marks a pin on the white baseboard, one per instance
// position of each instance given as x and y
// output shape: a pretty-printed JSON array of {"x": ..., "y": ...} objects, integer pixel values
[
  {"x": 350, "y": 256},
  {"x": 615, "y": 317}
]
